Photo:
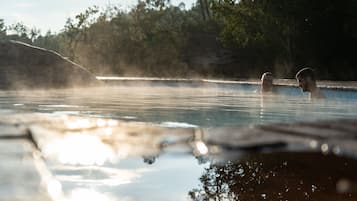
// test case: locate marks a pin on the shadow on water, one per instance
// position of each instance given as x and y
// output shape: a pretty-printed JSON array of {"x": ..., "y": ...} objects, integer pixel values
[{"x": 279, "y": 176}]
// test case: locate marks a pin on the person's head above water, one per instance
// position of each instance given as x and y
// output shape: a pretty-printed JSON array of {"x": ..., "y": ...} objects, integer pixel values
[
  {"x": 267, "y": 82},
  {"x": 307, "y": 82},
  {"x": 306, "y": 79}
]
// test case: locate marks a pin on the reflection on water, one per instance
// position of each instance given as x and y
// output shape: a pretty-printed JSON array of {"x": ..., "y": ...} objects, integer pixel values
[
  {"x": 81, "y": 194},
  {"x": 201, "y": 147},
  {"x": 54, "y": 189},
  {"x": 79, "y": 149},
  {"x": 169, "y": 178},
  {"x": 99, "y": 176},
  {"x": 279, "y": 176},
  {"x": 87, "y": 168},
  {"x": 113, "y": 160}
]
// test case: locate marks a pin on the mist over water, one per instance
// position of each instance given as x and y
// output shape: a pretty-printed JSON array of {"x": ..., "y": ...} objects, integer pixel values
[{"x": 183, "y": 104}]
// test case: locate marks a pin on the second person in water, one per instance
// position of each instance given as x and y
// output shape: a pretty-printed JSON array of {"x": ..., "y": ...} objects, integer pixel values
[{"x": 307, "y": 82}]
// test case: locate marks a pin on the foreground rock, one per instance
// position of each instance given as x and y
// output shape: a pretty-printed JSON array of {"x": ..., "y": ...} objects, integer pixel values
[{"x": 25, "y": 66}]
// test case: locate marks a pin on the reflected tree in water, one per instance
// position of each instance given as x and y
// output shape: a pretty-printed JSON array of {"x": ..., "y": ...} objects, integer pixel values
[
  {"x": 149, "y": 159},
  {"x": 278, "y": 177}
]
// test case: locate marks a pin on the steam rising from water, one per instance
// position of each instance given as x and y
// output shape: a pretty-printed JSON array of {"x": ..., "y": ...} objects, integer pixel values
[{"x": 183, "y": 104}]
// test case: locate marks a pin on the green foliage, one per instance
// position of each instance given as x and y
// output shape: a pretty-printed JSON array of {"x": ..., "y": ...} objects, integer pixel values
[
  {"x": 18, "y": 31},
  {"x": 76, "y": 30},
  {"x": 2, "y": 29},
  {"x": 149, "y": 40},
  {"x": 226, "y": 38},
  {"x": 291, "y": 34},
  {"x": 51, "y": 41},
  {"x": 155, "y": 4}
]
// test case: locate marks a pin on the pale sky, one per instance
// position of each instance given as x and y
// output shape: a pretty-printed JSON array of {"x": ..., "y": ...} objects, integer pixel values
[{"x": 49, "y": 14}]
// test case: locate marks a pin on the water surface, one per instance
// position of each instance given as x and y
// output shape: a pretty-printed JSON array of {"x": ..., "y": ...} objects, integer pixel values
[
  {"x": 88, "y": 168},
  {"x": 184, "y": 104}
]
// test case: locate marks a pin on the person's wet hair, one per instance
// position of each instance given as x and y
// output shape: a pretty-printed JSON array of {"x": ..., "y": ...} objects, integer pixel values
[
  {"x": 267, "y": 75},
  {"x": 306, "y": 72}
]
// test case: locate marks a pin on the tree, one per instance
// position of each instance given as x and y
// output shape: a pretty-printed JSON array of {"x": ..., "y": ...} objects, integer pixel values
[
  {"x": 2, "y": 29},
  {"x": 20, "y": 29},
  {"x": 205, "y": 9},
  {"x": 226, "y": 38},
  {"x": 51, "y": 41},
  {"x": 34, "y": 33},
  {"x": 75, "y": 30},
  {"x": 289, "y": 34},
  {"x": 19, "y": 32},
  {"x": 156, "y": 4}
]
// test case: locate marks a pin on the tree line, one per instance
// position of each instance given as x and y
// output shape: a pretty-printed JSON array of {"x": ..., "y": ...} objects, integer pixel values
[{"x": 212, "y": 38}]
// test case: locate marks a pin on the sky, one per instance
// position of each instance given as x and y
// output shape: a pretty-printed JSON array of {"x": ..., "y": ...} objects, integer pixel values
[{"x": 52, "y": 15}]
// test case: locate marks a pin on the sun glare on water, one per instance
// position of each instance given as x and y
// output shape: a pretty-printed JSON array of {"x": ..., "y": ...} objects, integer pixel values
[
  {"x": 80, "y": 149},
  {"x": 88, "y": 195}
]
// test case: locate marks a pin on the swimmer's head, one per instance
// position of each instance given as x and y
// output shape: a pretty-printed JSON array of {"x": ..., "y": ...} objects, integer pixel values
[
  {"x": 267, "y": 82},
  {"x": 306, "y": 79}
]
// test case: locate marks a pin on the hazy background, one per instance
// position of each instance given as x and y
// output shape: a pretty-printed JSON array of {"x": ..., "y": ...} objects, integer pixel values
[
  {"x": 199, "y": 38},
  {"x": 51, "y": 15}
]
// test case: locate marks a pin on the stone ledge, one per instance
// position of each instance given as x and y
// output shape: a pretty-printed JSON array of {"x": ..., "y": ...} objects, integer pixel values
[{"x": 20, "y": 178}]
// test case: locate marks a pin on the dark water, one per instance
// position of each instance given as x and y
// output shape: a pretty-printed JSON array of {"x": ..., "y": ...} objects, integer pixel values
[{"x": 279, "y": 176}]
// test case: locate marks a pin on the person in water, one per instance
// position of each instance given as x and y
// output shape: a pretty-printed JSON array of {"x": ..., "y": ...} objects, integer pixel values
[
  {"x": 307, "y": 82},
  {"x": 266, "y": 85}
]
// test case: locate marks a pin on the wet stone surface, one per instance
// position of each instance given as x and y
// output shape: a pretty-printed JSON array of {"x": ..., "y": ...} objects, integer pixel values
[
  {"x": 8, "y": 131},
  {"x": 20, "y": 178}
]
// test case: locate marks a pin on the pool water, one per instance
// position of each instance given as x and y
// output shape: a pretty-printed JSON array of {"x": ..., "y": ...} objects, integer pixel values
[
  {"x": 170, "y": 177},
  {"x": 173, "y": 104},
  {"x": 177, "y": 173}
]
